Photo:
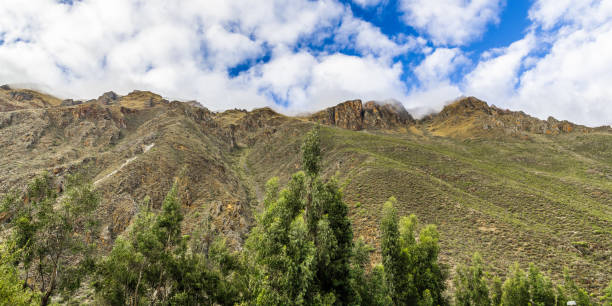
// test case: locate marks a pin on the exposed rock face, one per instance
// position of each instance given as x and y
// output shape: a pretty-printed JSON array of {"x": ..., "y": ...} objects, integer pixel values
[
  {"x": 108, "y": 98},
  {"x": 354, "y": 115},
  {"x": 14, "y": 99},
  {"x": 70, "y": 102},
  {"x": 136, "y": 146},
  {"x": 386, "y": 116},
  {"x": 471, "y": 117}
]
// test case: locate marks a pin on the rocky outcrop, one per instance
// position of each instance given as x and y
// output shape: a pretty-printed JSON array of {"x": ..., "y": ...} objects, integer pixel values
[
  {"x": 70, "y": 102},
  {"x": 469, "y": 117},
  {"x": 108, "y": 98},
  {"x": 354, "y": 115}
]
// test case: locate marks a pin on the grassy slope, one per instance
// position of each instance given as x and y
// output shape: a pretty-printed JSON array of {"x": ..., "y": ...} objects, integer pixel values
[{"x": 547, "y": 200}]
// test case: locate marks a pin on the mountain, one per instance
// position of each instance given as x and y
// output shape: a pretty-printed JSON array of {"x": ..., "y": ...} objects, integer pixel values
[
  {"x": 511, "y": 186},
  {"x": 470, "y": 117}
]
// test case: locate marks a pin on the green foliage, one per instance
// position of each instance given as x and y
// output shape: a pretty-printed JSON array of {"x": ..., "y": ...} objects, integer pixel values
[
  {"x": 12, "y": 289},
  {"x": 281, "y": 256},
  {"x": 411, "y": 267},
  {"x": 302, "y": 245},
  {"x": 470, "y": 284},
  {"x": 378, "y": 293},
  {"x": 520, "y": 288},
  {"x": 572, "y": 292},
  {"x": 169, "y": 220},
  {"x": 426, "y": 299},
  {"x": 516, "y": 288},
  {"x": 540, "y": 288},
  {"x": 496, "y": 291},
  {"x": 57, "y": 235},
  {"x": 533, "y": 288},
  {"x": 334, "y": 242},
  {"x": 606, "y": 300},
  {"x": 427, "y": 272},
  {"x": 151, "y": 264},
  {"x": 395, "y": 273},
  {"x": 311, "y": 152}
]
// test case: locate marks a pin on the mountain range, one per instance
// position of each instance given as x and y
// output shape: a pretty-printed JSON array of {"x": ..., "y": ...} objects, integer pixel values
[{"x": 510, "y": 186}]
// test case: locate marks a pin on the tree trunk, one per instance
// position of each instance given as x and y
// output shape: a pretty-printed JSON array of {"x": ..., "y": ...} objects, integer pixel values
[
  {"x": 135, "y": 299},
  {"x": 44, "y": 301}
]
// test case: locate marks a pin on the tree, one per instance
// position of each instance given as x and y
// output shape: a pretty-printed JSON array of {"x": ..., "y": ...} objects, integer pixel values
[
  {"x": 13, "y": 290},
  {"x": 399, "y": 282},
  {"x": 57, "y": 234},
  {"x": 329, "y": 228},
  {"x": 411, "y": 267},
  {"x": 311, "y": 152},
  {"x": 378, "y": 289},
  {"x": 572, "y": 292},
  {"x": 428, "y": 273},
  {"x": 541, "y": 288},
  {"x": 334, "y": 243},
  {"x": 470, "y": 284},
  {"x": 516, "y": 288},
  {"x": 151, "y": 264},
  {"x": 281, "y": 255},
  {"x": 496, "y": 291}
]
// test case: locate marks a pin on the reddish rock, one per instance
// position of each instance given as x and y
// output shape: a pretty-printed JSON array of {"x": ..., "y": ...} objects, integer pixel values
[{"x": 354, "y": 115}]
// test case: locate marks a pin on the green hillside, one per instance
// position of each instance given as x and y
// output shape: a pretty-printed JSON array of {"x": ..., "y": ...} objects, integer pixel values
[
  {"x": 509, "y": 186},
  {"x": 547, "y": 200}
]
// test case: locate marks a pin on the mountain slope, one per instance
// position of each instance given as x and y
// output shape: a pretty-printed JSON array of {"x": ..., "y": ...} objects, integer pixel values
[{"x": 493, "y": 181}]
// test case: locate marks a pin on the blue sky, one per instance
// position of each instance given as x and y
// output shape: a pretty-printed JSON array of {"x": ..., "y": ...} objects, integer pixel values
[{"x": 546, "y": 57}]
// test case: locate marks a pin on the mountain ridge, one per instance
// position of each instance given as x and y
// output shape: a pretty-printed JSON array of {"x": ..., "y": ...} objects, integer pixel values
[
  {"x": 350, "y": 114},
  {"x": 543, "y": 198}
]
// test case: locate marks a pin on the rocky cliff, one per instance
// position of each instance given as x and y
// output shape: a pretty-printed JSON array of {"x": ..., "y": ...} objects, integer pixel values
[
  {"x": 471, "y": 117},
  {"x": 354, "y": 115},
  {"x": 544, "y": 200},
  {"x": 136, "y": 146}
]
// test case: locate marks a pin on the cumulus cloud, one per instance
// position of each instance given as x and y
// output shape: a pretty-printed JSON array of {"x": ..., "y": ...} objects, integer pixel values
[
  {"x": 435, "y": 86},
  {"x": 573, "y": 80},
  {"x": 368, "y": 3},
  {"x": 301, "y": 55},
  {"x": 185, "y": 50},
  {"x": 570, "y": 80},
  {"x": 367, "y": 39},
  {"x": 438, "y": 65},
  {"x": 451, "y": 22},
  {"x": 496, "y": 75}
]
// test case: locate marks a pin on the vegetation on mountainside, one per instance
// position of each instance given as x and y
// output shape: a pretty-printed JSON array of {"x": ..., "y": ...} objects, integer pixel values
[
  {"x": 53, "y": 236},
  {"x": 300, "y": 251},
  {"x": 498, "y": 184},
  {"x": 512, "y": 201}
]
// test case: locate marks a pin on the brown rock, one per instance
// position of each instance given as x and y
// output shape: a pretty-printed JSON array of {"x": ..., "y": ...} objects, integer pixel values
[{"x": 353, "y": 115}]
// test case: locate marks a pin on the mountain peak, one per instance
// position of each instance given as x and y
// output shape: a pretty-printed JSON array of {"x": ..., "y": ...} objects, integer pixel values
[
  {"x": 354, "y": 115},
  {"x": 472, "y": 117}
]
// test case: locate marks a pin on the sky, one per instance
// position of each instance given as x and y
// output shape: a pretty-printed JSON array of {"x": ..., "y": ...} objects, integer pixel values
[{"x": 544, "y": 57}]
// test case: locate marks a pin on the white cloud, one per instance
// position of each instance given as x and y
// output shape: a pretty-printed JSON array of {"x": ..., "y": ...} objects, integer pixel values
[
  {"x": 584, "y": 13},
  {"x": 312, "y": 83},
  {"x": 496, "y": 75},
  {"x": 435, "y": 87},
  {"x": 573, "y": 80},
  {"x": 369, "y": 40},
  {"x": 339, "y": 76},
  {"x": 368, "y": 3},
  {"x": 438, "y": 65},
  {"x": 570, "y": 80},
  {"x": 451, "y": 22},
  {"x": 184, "y": 50}
]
